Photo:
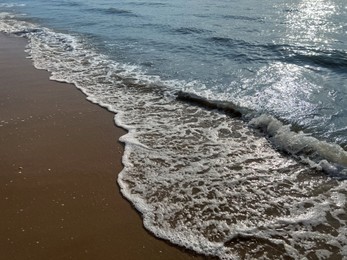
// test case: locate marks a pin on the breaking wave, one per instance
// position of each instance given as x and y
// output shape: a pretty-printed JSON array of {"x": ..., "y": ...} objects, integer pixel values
[
  {"x": 332, "y": 158},
  {"x": 329, "y": 157}
]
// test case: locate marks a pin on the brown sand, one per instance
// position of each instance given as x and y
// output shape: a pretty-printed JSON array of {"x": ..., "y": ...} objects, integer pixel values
[{"x": 59, "y": 157}]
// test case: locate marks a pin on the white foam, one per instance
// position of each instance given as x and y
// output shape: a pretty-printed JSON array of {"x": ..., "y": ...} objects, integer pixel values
[
  {"x": 5, "y": 15},
  {"x": 301, "y": 143},
  {"x": 8, "y": 5},
  {"x": 201, "y": 179}
]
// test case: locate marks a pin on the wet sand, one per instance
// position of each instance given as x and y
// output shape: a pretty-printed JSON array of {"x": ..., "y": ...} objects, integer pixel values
[{"x": 59, "y": 159}]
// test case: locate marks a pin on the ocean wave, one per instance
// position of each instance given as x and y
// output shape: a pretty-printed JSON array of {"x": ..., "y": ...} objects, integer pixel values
[
  {"x": 226, "y": 107},
  {"x": 228, "y": 41},
  {"x": 243, "y": 18},
  {"x": 11, "y": 5},
  {"x": 333, "y": 59},
  {"x": 331, "y": 158},
  {"x": 201, "y": 179},
  {"x": 189, "y": 30},
  {"x": 113, "y": 11},
  {"x": 301, "y": 55},
  {"x": 159, "y": 4},
  {"x": 68, "y": 3}
]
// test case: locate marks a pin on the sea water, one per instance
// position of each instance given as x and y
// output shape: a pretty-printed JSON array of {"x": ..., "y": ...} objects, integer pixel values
[{"x": 235, "y": 110}]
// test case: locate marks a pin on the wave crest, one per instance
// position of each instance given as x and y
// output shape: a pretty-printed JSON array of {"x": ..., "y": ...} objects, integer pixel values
[{"x": 301, "y": 144}]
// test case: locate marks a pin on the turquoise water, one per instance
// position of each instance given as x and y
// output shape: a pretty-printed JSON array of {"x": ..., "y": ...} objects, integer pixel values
[{"x": 236, "y": 112}]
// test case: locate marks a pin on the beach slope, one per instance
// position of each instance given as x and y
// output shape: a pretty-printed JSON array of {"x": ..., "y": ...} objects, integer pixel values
[{"x": 59, "y": 159}]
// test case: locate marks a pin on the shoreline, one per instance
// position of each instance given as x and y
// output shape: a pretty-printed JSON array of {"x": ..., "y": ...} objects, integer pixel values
[{"x": 59, "y": 195}]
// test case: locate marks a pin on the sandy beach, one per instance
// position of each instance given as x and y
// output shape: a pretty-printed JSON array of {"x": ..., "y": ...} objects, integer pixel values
[{"x": 60, "y": 156}]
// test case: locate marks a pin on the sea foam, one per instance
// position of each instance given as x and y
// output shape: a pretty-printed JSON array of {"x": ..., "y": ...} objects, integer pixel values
[{"x": 329, "y": 156}]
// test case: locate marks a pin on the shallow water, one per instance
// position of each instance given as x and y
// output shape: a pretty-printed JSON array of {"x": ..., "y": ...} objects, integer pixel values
[{"x": 203, "y": 177}]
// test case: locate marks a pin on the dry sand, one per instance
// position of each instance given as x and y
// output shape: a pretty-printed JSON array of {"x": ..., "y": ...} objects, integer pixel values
[{"x": 59, "y": 159}]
